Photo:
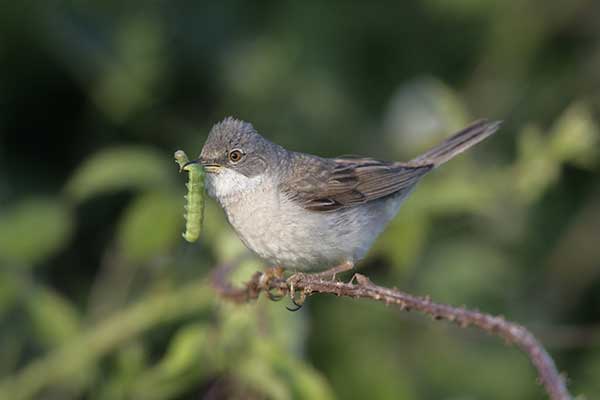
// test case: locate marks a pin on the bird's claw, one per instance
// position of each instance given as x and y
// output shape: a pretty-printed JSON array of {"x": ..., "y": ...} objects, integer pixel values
[
  {"x": 264, "y": 283},
  {"x": 274, "y": 297},
  {"x": 292, "y": 290},
  {"x": 297, "y": 304}
]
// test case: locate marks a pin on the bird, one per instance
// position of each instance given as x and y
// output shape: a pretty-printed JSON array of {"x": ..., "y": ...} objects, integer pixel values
[{"x": 309, "y": 214}]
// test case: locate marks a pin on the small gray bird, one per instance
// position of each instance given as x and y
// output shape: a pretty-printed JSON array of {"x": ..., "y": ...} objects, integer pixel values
[{"x": 308, "y": 213}]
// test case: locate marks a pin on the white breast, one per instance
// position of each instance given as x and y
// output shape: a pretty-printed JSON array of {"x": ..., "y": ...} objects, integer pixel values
[{"x": 290, "y": 236}]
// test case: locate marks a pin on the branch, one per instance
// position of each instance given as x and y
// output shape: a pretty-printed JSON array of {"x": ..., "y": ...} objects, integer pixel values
[{"x": 307, "y": 285}]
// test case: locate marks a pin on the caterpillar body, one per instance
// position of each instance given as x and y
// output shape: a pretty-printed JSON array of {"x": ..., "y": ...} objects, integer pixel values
[{"x": 194, "y": 208}]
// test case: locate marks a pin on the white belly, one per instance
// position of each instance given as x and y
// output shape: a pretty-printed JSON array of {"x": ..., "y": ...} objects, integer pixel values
[{"x": 287, "y": 235}]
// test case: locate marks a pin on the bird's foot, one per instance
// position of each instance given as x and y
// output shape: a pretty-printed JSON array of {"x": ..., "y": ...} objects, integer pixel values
[
  {"x": 265, "y": 280},
  {"x": 327, "y": 274},
  {"x": 291, "y": 282}
]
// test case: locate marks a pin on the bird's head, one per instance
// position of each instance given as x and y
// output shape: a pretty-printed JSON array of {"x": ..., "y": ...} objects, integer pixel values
[{"x": 235, "y": 158}]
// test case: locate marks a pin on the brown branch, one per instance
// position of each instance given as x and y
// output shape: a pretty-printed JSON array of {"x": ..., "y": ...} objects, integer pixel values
[{"x": 307, "y": 285}]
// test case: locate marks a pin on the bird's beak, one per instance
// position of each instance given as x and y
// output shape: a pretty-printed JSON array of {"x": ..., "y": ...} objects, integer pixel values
[{"x": 209, "y": 167}]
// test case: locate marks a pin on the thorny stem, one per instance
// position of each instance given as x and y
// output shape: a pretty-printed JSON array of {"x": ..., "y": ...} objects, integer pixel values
[{"x": 307, "y": 285}]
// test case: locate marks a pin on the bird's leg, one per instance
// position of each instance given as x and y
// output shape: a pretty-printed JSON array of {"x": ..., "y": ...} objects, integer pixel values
[
  {"x": 264, "y": 282},
  {"x": 360, "y": 279},
  {"x": 332, "y": 272},
  {"x": 327, "y": 274}
]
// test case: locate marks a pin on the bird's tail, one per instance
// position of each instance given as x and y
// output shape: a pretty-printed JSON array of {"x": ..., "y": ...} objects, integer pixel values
[{"x": 457, "y": 143}]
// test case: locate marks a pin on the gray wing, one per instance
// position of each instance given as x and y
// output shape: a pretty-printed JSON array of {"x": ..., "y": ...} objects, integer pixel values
[{"x": 331, "y": 184}]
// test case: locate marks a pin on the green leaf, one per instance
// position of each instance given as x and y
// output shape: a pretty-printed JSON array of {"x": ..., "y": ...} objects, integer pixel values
[
  {"x": 587, "y": 381},
  {"x": 119, "y": 168},
  {"x": 9, "y": 290},
  {"x": 77, "y": 358},
  {"x": 185, "y": 350},
  {"x": 536, "y": 169},
  {"x": 131, "y": 75},
  {"x": 303, "y": 381},
  {"x": 465, "y": 271},
  {"x": 404, "y": 239},
  {"x": 130, "y": 363},
  {"x": 259, "y": 374},
  {"x": 33, "y": 229},
  {"x": 54, "y": 318},
  {"x": 460, "y": 8},
  {"x": 151, "y": 226},
  {"x": 575, "y": 136},
  {"x": 184, "y": 365}
]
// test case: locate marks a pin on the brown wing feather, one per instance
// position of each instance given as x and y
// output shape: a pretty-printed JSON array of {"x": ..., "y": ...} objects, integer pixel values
[{"x": 331, "y": 184}]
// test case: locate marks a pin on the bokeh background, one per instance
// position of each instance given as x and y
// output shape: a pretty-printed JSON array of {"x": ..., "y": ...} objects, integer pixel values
[{"x": 101, "y": 298}]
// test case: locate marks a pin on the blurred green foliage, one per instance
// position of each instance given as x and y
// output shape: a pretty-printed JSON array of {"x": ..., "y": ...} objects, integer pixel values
[{"x": 101, "y": 298}]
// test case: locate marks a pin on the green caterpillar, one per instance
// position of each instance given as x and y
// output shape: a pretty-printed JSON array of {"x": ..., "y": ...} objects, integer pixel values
[{"x": 194, "y": 209}]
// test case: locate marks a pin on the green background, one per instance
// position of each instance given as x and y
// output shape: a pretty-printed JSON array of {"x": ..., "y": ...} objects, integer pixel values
[{"x": 101, "y": 298}]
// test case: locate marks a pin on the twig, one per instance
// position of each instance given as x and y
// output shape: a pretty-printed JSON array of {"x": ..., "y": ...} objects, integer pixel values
[{"x": 307, "y": 285}]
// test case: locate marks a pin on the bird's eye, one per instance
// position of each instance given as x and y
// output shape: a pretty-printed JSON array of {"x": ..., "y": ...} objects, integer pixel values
[{"x": 235, "y": 155}]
